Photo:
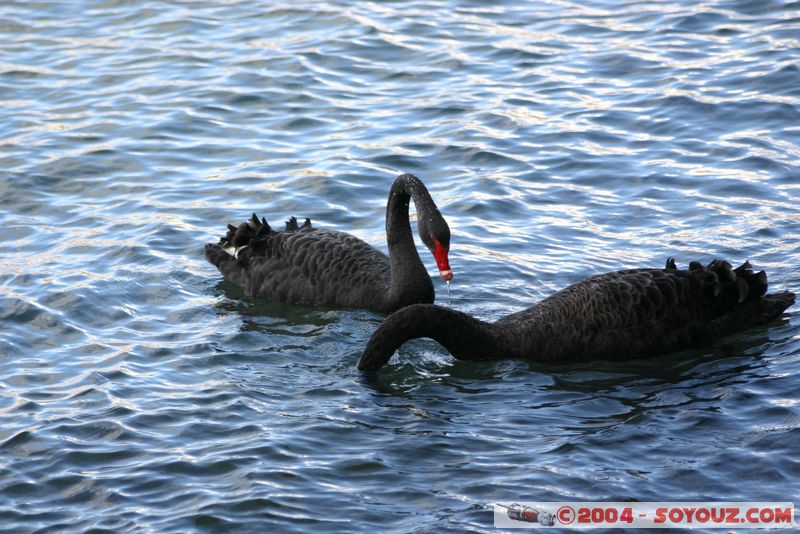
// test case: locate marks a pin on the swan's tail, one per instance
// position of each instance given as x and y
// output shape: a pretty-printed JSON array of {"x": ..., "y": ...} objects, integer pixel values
[
  {"x": 228, "y": 265},
  {"x": 233, "y": 252},
  {"x": 725, "y": 286},
  {"x": 753, "y": 313},
  {"x": 737, "y": 296}
]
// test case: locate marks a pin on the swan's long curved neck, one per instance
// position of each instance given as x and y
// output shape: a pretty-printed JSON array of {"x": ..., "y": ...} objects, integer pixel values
[
  {"x": 465, "y": 337},
  {"x": 406, "y": 266}
]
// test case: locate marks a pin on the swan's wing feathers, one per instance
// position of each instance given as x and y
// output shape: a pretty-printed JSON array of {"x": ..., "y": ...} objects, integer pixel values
[
  {"x": 756, "y": 282},
  {"x": 246, "y": 235},
  {"x": 623, "y": 299},
  {"x": 293, "y": 226},
  {"x": 616, "y": 300},
  {"x": 649, "y": 311},
  {"x": 317, "y": 267}
]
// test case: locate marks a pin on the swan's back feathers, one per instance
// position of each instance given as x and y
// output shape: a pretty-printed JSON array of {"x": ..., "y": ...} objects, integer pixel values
[
  {"x": 252, "y": 235},
  {"x": 726, "y": 286},
  {"x": 303, "y": 264},
  {"x": 318, "y": 268},
  {"x": 641, "y": 312}
]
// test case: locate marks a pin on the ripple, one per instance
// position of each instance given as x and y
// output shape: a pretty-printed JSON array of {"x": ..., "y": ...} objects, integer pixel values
[{"x": 142, "y": 393}]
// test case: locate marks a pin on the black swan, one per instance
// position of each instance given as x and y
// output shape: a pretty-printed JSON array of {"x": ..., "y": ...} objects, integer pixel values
[
  {"x": 304, "y": 265},
  {"x": 614, "y": 316}
]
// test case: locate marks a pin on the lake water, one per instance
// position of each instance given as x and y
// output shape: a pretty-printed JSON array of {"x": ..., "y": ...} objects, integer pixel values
[{"x": 139, "y": 392}]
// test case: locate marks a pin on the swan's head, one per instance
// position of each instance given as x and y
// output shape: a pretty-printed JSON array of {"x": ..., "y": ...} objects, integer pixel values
[{"x": 435, "y": 233}]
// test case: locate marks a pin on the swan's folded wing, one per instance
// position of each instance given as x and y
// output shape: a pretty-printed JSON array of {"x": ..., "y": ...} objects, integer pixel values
[
  {"x": 641, "y": 312},
  {"x": 317, "y": 268}
]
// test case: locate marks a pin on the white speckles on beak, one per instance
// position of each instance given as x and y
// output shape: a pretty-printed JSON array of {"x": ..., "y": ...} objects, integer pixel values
[{"x": 446, "y": 275}]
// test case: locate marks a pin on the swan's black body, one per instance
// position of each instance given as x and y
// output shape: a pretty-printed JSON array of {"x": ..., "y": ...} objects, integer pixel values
[
  {"x": 620, "y": 315},
  {"x": 304, "y": 265}
]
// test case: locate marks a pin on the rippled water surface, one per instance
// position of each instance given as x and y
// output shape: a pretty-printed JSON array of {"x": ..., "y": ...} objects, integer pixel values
[{"x": 141, "y": 393}]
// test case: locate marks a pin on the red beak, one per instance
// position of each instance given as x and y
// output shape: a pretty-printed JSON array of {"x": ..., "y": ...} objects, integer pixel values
[{"x": 440, "y": 255}]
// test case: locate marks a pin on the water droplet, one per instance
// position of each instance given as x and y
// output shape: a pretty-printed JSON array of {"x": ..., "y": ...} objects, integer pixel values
[{"x": 448, "y": 294}]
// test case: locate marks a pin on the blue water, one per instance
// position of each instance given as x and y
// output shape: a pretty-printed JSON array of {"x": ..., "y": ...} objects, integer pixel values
[{"x": 139, "y": 392}]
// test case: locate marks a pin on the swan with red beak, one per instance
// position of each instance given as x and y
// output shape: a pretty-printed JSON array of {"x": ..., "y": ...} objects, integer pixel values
[{"x": 317, "y": 267}]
